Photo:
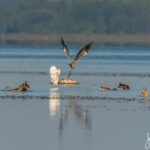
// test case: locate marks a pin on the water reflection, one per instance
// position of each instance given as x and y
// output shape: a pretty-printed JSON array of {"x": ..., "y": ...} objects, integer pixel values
[
  {"x": 54, "y": 102},
  {"x": 72, "y": 113},
  {"x": 144, "y": 99},
  {"x": 81, "y": 113}
]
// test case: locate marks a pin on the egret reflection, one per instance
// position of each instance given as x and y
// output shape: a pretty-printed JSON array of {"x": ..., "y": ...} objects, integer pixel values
[
  {"x": 54, "y": 102},
  {"x": 79, "y": 111}
]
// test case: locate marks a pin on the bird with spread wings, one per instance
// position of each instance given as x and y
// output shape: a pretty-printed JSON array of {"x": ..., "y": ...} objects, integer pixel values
[{"x": 82, "y": 52}]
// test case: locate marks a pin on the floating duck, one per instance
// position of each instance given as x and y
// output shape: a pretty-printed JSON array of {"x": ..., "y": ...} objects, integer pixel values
[
  {"x": 22, "y": 87},
  {"x": 124, "y": 86},
  {"x": 105, "y": 89},
  {"x": 114, "y": 89},
  {"x": 144, "y": 93}
]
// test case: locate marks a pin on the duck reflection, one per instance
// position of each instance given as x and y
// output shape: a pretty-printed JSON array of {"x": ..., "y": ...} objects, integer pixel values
[
  {"x": 54, "y": 102},
  {"x": 80, "y": 112},
  {"x": 144, "y": 100},
  {"x": 144, "y": 95}
]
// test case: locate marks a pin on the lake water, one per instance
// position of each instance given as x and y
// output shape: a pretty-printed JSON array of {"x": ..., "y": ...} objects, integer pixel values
[{"x": 77, "y": 117}]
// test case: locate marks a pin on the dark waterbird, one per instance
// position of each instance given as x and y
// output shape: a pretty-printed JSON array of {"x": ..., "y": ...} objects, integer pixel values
[
  {"x": 82, "y": 52},
  {"x": 124, "y": 86}
]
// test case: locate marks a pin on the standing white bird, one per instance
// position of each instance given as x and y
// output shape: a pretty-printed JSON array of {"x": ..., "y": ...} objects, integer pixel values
[
  {"x": 82, "y": 52},
  {"x": 54, "y": 75}
]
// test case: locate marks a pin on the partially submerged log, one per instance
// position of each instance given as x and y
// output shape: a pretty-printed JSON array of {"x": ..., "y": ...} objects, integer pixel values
[{"x": 67, "y": 81}]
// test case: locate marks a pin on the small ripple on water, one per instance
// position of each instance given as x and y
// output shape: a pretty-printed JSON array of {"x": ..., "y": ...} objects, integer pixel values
[
  {"x": 68, "y": 97},
  {"x": 114, "y": 74}
]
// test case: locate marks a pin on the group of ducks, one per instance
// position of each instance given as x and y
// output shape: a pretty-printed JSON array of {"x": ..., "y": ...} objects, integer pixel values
[
  {"x": 144, "y": 92},
  {"x": 24, "y": 86},
  {"x": 82, "y": 52},
  {"x": 121, "y": 85}
]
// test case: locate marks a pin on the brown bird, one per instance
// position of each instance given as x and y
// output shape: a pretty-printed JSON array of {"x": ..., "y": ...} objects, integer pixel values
[
  {"x": 144, "y": 93},
  {"x": 124, "y": 86},
  {"x": 23, "y": 87},
  {"x": 82, "y": 52},
  {"x": 105, "y": 89}
]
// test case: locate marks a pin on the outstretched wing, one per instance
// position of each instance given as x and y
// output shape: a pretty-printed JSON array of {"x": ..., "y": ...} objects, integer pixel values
[
  {"x": 64, "y": 46},
  {"x": 83, "y": 51}
]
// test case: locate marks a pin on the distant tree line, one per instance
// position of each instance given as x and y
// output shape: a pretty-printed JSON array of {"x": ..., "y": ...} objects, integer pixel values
[{"x": 76, "y": 16}]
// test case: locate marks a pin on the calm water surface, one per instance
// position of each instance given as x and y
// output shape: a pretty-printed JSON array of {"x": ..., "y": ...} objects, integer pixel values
[{"x": 74, "y": 117}]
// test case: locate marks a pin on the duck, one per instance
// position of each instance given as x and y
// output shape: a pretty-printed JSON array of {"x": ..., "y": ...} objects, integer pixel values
[
  {"x": 105, "y": 89},
  {"x": 23, "y": 87},
  {"x": 7, "y": 88},
  {"x": 124, "y": 86},
  {"x": 114, "y": 89},
  {"x": 144, "y": 93}
]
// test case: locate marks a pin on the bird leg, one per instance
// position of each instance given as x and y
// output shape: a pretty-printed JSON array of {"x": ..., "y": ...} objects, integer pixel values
[{"x": 69, "y": 74}]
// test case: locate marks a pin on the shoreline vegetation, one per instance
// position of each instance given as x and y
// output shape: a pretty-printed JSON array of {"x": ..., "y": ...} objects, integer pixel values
[
  {"x": 106, "y": 22},
  {"x": 53, "y": 39}
]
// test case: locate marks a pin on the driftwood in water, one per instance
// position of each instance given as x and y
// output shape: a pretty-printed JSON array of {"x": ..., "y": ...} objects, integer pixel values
[{"x": 67, "y": 81}]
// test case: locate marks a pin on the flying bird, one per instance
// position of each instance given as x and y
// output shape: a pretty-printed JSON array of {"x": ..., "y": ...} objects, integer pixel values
[{"x": 82, "y": 52}]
